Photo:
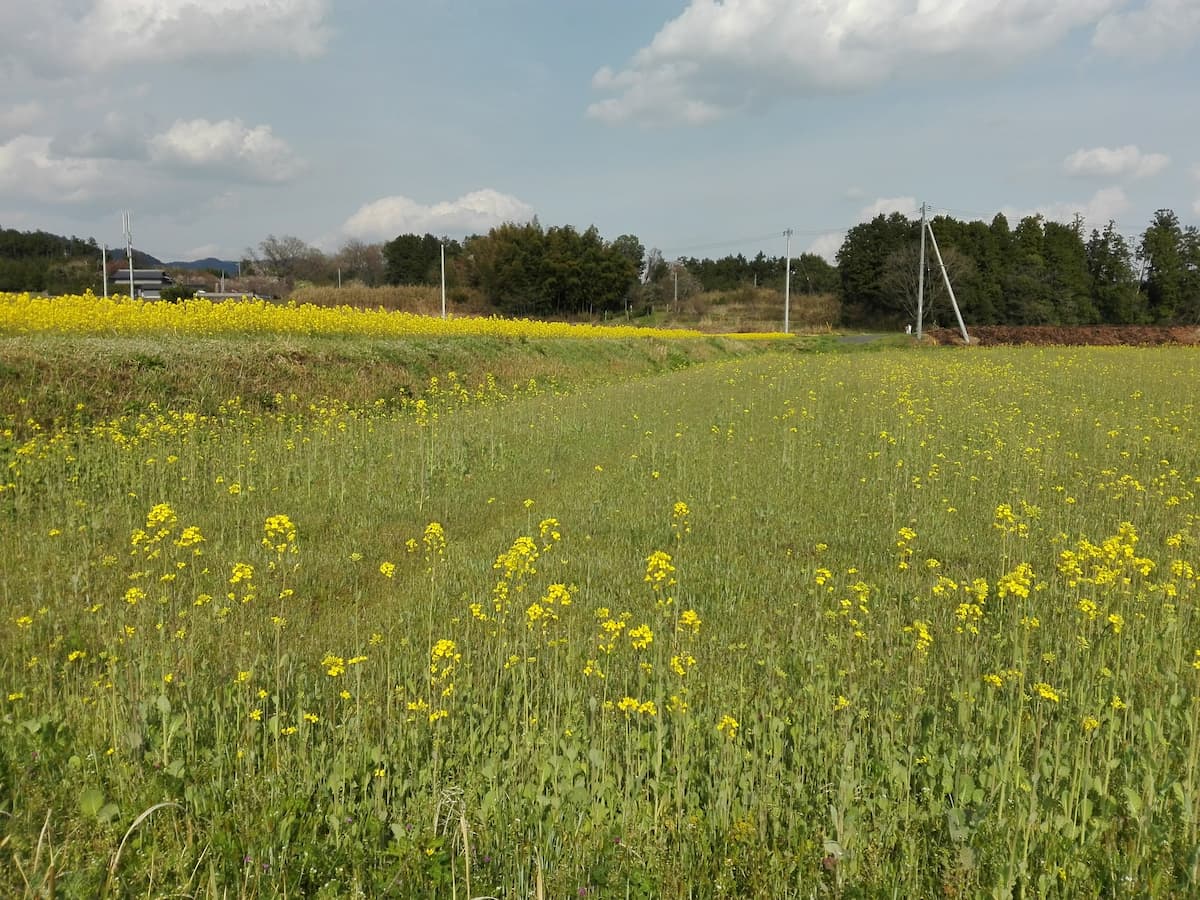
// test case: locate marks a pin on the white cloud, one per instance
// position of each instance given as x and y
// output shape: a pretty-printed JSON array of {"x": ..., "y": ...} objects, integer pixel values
[
  {"x": 20, "y": 117},
  {"x": 55, "y": 36},
  {"x": 827, "y": 245},
  {"x": 908, "y": 206},
  {"x": 29, "y": 167},
  {"x": 1150, "y": 29},
  {"x": 717, "y": 57},
  {"x": 475, "y": 212},
  {"x": 227, "y": 148},
  {"x": 1105, "y": 204},
  {"x": 1115, "y": 162}
]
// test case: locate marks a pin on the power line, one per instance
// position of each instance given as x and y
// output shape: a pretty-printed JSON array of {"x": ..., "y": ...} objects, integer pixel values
[
  {"x": 759, "y": 239},
  {"x": 716, "y": 245}
]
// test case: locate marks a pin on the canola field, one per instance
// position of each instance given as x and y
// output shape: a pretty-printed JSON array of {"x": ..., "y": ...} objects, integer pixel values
[
  {"x": 88, "y": 314},
  {"x": 913, "y": 623}
]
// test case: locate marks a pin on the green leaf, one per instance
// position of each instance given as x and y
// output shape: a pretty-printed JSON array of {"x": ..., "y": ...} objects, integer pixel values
[{"x": 90, "y": 802}]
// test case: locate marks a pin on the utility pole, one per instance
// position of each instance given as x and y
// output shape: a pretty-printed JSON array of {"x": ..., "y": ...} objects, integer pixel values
[
  {"x": 127, "y": 225},
  {"x": 953, "y": 300},
  {"x": 675, "y": 273},
  {"x": 921, "y": 277},
  {"x": 443, "y": 279},
  {"x": 104, "y": 267},
  {"x": 787, "y": 284}
]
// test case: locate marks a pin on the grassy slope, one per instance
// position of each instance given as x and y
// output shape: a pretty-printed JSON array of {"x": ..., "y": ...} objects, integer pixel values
[{"x": 45, "y": 377}]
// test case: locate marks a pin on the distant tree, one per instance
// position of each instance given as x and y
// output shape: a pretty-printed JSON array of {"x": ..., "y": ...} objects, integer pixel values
[
  {"x": 361, "y": 261},
  {"x": 679, "y": 285},
  {"x": 1066, "y": 267},
  {"x": 1028, "y": 292},
  {"x": 1190, "y": 252},
  {"x": 508, "y": 268},
  {"x": 628, "y": 246},
  {"x": 1164, "y": 277},
  {"x": 812, "y": 274},
  {"x": 861, "y": 261},
  {"x": 412, "y": 259},
  {"x": 900, "y": 284},
  {"x": 176, "y": 292},
  {"x": 655, "y": 266},
  {"x": 1114, "y": 286},
  {"x": 289, "y": 258}
]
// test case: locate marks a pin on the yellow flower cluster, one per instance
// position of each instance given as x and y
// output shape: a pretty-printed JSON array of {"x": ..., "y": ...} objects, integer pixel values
[{"x": 88, "y": 314}]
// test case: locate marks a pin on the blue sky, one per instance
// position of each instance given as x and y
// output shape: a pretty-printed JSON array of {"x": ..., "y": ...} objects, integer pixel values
[{"x": 704, "y": 128}]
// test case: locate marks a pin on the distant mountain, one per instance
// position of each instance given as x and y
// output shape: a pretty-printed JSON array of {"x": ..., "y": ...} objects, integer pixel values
[
  {"x": 229, "y": 267},
  {"x": 41, "y": 261},
  {"x": 141, "y": 259}
]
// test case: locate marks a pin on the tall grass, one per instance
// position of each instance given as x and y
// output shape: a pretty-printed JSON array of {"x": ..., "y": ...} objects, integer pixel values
[{"x": 915, "y": 623}]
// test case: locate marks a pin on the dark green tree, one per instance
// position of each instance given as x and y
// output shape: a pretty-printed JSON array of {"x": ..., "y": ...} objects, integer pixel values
[
  {"x": 1028, "y": 293},
  {"x": 1164, "y": 275},
  {"x": 412, "y": 259},
  {"x": 632, "y": 249},
  {"x": 861, "y": 262},
  {"x": 1114, "y": 285},
  {"x": 1066, "y": 269}
]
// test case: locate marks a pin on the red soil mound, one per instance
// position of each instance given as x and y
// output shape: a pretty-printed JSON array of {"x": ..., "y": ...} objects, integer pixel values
[{"x": 1072, "y": 335}]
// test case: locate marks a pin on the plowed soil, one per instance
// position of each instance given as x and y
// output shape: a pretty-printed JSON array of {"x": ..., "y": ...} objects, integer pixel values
[{"x": 1073, "y": 336}]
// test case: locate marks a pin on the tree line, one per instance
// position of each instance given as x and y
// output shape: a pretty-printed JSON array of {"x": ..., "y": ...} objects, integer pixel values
[
  {"x": 1038, "y": 272},
  {"x": 41, "y": 261}
]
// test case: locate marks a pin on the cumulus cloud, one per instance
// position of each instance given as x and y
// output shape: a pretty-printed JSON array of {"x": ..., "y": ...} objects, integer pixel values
[
  {"x": 475, "y": 212},
  {"x": 1115, "y": 162},
  {"x": 30, "y": 168},
  {"x": 908, "y": 206},
  {"x": 827, "y": 245},
  {"x": 1105, "y": 204},
  {"x": 1149, "y": 29},
  {"x": 226, "y": 148},
  {"x": 717, "y": 57},
  {"x": 56, "y": 36}
]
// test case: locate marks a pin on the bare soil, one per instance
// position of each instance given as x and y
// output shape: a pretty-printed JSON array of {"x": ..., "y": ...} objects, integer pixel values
[{"x": 1072, "y": 335}]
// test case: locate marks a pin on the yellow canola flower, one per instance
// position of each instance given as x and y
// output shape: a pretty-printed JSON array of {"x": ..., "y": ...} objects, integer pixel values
[
  {"x": 659, "y": 570},
  {"x": 88, "y": 314},
  {"x": 689, "y": 619},
  {"x": 279, "y": 534},
  {"x": 1046, "y": 692},
  {"x": 641, "y": 637}
]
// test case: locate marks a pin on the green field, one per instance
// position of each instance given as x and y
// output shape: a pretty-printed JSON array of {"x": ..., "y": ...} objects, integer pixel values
[{"x": 728, "y": 622}]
